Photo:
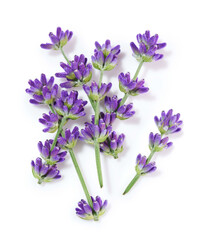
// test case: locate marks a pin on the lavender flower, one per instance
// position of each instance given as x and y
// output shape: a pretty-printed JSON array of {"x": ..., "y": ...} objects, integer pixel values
[
  {"x": 105, "y": 57},
  {"x": 69, "y": 106},
  {"x": 69, "y": 139},
  {"x": 44, "y": 172},
  {"x": 112, "y": 105},
  {"x": 147, "y": 47},
  {"x": 50, "y": 121},
  {"x": 168, "y": 123},
  {"x": 113, "y": 145},
  {"x": 108, "y": 118},
  {"x": 42, "y": 91},
  {"x": 97, "y": 93},
  {"x": 51, "y": 156},
  {"x": 86, "y": 212},
  {"x": 59, "y": 40},
  {"x": 142, "y": 167},
  {"x": 157, "y": 143},
  {"x": 76, "y": 74},
  {"x": 94, "y": 132},
  {"x": 133, "y": 87}
]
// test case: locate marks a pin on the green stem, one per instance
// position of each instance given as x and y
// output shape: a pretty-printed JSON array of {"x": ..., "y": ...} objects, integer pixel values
[
  {"x": 101, "y": 76},
  {"x": 51, "y": 108},
  {"x": 81, "y": 178},
  {"x": 62, "y": 123},
  {"x": 98, "y": 163},
  {"x": 97, "y": 112},
  {"x": 92, "y": 103},
  {"x": 124, "y": 99},
  {"x": 138, "y": 70},
  {"x": 61, "y": 49},
  {"x": 150, "y": 156},
  {"x": 131, "y": 184}
]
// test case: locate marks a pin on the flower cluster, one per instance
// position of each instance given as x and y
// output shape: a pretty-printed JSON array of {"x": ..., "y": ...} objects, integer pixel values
[
  {"x": 147, "y": 47},
  {"x": 51, "y": 155},
  {"x": 94, "y": 132},
  {"x": 142, "y": 166},
  {"x": 69, "y": 139},
  {"x": 113, "y": 105},
  {"x": 69, "y": 106},
  {"x": 105, "y": 57},
  {"x": 44, "y": 172},
  {"x": 79, "y": 72},
  {"x": 59, "y": 40},
  {"x": 86, "y": 212},
  {"x": 43, "y": 91},
  {"x": 113, "y": 144},
  {"x": 50, "y": 121},
  {"x": 97, "y": 93},
  {"x": 130, "y": 86},
  {"x": 157, "y": 143},
  {"x": 168, "y": 123}
]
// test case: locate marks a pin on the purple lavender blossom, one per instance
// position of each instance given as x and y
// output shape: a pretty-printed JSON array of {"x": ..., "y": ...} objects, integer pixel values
[
  {"x": 76, "y": 74},
  {"x": 51, "y": 156},
  {"x": 105, "y": 57},
  {"x": 44, "y": 172},
  {"x": 147, "y": 47},
  {"x": 112, "y": 105},
  {"x": 42, "y": 91},
  {"x": 157, "y": 143},
  {"x": 133, "y": 87},
  {"x": 97, "y": 93},
  {"x": 69, "y": 106},
  {"x": 59, "y": 40},
  {"x": 50, "y": 121},
  {"x": 113, "y": 145},
  {"x": 108, "y": 118},
  {"x": 69, "y": 139},
  {"x": 94, "y": 132},
  {"x": 168, "y": 122},
  {"x": 86, "y": 212},
  {"x": 142, "y": 167}
]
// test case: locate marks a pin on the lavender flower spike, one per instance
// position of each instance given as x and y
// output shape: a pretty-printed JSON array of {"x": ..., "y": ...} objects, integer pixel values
[
  {"x": 168, "y": 122},
  {"x": 105, "y": 57},
  {"x": 42, "y": 91},
  {"x": 94, "y": 132},
  {"x": 86, "y": 212},
  {"x": 142, "y": 167},
  {"x": 130, "y": 86},
  {"x": 157, "y": 143},
  {"x": 51, "y": 156},
  {"x": 69, "y": 139},
  {"x": 69, "y": 106},
  {"x": 108, "y": 118},
  {"x": 77, "y": 73},
  {"x": 50, "y": 121},
  {"x": 113, "y": 145},
  {"x": 59, "y": 40},
  {"x": 97, "y": 93},
  {"x": 44, "y": 172},
  {"x": 112, "y": 105},
  {"x": 147, "y": 47}
]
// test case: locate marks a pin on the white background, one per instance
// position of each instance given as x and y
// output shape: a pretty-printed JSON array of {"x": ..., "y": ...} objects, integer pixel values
[{"x": 166, "y": 204}]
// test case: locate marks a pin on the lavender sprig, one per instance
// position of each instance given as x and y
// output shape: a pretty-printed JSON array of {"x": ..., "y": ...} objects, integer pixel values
[{"x": 156, "y": 144}]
